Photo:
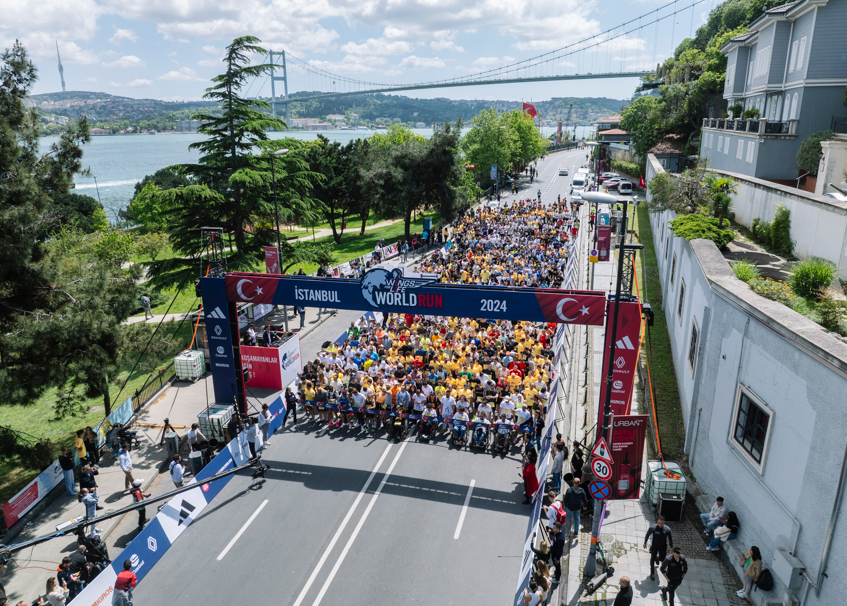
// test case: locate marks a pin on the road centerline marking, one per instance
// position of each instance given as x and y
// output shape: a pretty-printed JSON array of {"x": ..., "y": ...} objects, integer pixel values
[
  {"x": 243, "y": 528},
  {"x": 464, "y": 511},
  {"x": 344, "y": 523},
  {"x": 361, "y": 523}
]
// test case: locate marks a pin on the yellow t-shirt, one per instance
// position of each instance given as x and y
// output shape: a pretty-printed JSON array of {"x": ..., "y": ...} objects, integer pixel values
[{"x": 79, "y": 444}]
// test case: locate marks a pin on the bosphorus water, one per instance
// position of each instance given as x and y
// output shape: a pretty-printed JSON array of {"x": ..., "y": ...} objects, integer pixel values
[{"x": 118, "y": 162}]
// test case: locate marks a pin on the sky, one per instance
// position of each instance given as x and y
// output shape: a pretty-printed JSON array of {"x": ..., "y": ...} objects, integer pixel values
[{"x": 169, "y": 49}]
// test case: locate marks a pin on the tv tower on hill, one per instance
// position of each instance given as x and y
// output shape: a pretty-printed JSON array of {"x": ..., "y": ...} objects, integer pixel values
[{"x": 61, "y": 70}]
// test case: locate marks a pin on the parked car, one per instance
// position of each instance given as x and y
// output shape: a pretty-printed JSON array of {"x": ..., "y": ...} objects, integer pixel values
[
  {"x": 612, "y": 183},
  {"x": 625, "y": 188},
  {"x": 563, "y": 172},
  {"x": 607, "y": 176}
]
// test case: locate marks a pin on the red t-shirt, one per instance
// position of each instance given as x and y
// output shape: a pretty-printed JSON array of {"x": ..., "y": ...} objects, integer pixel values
[{"x": 126, "y": 580}]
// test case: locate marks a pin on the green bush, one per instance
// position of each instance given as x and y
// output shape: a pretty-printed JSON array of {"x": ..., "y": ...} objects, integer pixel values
[
  {"x": 809, "y": 278},
  {"x": 736, "y": 109},
  {"x": 630, "y": 169},
  {"x": 692, "y": 227},
  {"x": 750, "y": 114},
  {"x": 780, "y": 231},
  {"x": 775, "y": 291},
  {"x": 809, "y": 154},
  {"x": 832, "y": 312},
  {"x": 745, "y": 270}
]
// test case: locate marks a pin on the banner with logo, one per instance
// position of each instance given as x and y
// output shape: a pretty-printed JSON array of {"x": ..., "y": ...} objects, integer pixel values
[
  {"x": 290, "y": 362},
  {"x": 263, "y": 366},
  {"x": 32, "y": 493},
  {"x": 221, "y": 355},
  {"x": 629, "y": 433},
  {"x": 388, "y": 290},
  {"x": 272, "y": 260},
  {"x": 626, "y": 357},
  {"x": 604, "y": 241}
]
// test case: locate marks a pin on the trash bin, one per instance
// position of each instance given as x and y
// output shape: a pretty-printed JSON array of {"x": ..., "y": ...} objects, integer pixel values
[
  {"x": 172, "y": 443},
  {"x": 670, "y": 506},
  {"x": 195, "y": 462}
]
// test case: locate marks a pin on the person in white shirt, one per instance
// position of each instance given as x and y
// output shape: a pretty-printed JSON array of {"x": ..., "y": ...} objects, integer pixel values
[
  {"x": 418, "y": 401},
  {"x": 506, "y": 407},
  {"x": 715, "y": 517},
  {"x": 177, "y": 471},
  {"x": 126, "y": 466},
  {"x": 195, "y": 437},
  {"x": 448, "y": 404},
  {"x": 484, "y": 409},
  {"x": 264, "y": 419}
]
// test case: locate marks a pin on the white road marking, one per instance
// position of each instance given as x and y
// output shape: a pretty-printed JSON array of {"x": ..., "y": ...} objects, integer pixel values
[
  {"x": 361, "y": 523},
  {"x": 241, "y": 532},
  {"x": 349, "y": 515},
  {"x": 464, "y": 511}
]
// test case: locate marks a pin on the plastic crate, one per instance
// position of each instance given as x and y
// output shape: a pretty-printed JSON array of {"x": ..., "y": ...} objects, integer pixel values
[
  {"x": 189, "y": 365},
  {"x": 657, "y": 481},
  {"x": 213, "y": 422}
]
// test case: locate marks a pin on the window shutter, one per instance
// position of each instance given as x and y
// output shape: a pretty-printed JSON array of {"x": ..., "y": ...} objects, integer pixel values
[
  {"x": 801, "y": 54},
  {"x": 740, "y": 151},
  {"x": 793, "y": 62}
]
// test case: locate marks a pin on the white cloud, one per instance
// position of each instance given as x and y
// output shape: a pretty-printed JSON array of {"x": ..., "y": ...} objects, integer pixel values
[
  {"x": 213, "y": 50},
  {"x": 184, "y": 74},
  {"x": 209, "y": 63},
  {"x": 126, "y": 62},
  {"x": 487, "y": 62},
  {"x": 173, "y": 54},
  {"x": 421, "y": 62},
  {"x": 115, "y": 84},
  {"x": 443, "y": 41},
  {"x": 377, "y": 46},
  {"x": 350, "y": 64},
  {"x": 123, "y": 34},
  {"x": 92, "y": 80},
  {"x": 140, "y": 82}
]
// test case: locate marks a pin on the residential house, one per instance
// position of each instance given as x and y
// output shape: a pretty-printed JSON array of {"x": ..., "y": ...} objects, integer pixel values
[{"x": 792, "y": 67}]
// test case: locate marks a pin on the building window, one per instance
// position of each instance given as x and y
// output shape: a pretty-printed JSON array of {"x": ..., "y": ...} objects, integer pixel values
[
  {"x": 681, "y": 303},
  {"x": 762, "y": 62},
  {"x": 726, "y": 147},
  {"x": 692, "y": 345},
  {"x": 793, "y": 61},
  {"x": 801, "y": 53},
  {"x": 740, "y": 151},
  {"x": 751, "y": 427},
  {"x": 778, "y": 107},
  {"x": 750, "y": 151},
  {"x": 673, "y": 268},
  {"x": 667, "y": 246},
  {"x": 793, "y": 107},
  {"x": 720, "y": 144}
]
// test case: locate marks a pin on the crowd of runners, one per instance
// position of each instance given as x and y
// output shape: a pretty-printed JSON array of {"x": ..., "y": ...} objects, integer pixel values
[{"x": 481, "y": 382}]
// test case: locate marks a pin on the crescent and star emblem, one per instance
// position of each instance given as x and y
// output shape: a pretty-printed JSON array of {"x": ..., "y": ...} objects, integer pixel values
[
  {"x": 241, "y": 293},
  {"x": 584, "y": 310}
]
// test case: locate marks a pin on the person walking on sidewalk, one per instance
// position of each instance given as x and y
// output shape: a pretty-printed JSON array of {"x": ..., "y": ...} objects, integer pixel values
[
  {"x": 291, "y": 404},
  {"x": 624, "y": 597},
  {"x": 126, "y": 465},
  {"x": 137, "y": 497},
  {"x": 674, "y": 569},
  {"x": 574, "y": 499},
  {"x": 145, "y": 305},
  {"x": 124, "y": 584},
  {"x": 177, "y": 471},
  {"x": 715, "y": 517},
  {"x": 662, "y": 539},
  {"x": 66, "y": 461},
  {"x": 302, "y": 311},
  {"x": 90, "y": 440}
]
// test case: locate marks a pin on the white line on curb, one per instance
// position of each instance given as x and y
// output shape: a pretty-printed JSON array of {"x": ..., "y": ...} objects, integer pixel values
[
  {"x": 464, "y": 511},
  {"x": 241, "y": 532},
  {"x": 349, "y": 515}
]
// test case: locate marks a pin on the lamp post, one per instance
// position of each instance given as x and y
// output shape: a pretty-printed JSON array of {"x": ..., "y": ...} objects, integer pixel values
[{"x": 279, "y": 152}]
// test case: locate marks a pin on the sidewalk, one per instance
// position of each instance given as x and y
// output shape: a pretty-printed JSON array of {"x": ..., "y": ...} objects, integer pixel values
[{"x": 709, "y": 581}]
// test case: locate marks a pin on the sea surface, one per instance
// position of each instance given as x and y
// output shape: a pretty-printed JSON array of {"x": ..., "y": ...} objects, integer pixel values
[{"x": 118, "y": 162}]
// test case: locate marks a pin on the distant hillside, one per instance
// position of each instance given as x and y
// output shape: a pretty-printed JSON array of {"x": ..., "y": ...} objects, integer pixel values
[{"x": 72, "y": 95}]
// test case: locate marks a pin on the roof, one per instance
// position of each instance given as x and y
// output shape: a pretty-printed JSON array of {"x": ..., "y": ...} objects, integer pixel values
[
  {"x": 613, "y": 131},
  {"x": 742, "y": 37},
  {"x": 782, "y": 8},
  {"x": 615, "y": 118},
  {"x": 670, "y": 144}
]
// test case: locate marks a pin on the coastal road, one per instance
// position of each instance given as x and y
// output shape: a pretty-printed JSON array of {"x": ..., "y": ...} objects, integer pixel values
[{"x": 351, "y": 518}]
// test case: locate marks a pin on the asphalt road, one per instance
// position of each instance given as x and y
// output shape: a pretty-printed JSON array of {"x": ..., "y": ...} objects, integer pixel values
[{"x": 350, "y": 518}]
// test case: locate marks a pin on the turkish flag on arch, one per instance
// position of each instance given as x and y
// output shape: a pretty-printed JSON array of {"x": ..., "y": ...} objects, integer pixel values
[
  {"x": 530, "y": 109},
  {"x": 641, "y": 181}
]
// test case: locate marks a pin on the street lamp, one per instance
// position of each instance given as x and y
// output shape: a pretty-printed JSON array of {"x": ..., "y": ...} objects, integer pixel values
[{"x": 279, "y": 152}]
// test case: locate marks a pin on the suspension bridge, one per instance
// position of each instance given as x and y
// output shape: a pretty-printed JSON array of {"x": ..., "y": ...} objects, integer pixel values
[{"x": 618, "y": 52}]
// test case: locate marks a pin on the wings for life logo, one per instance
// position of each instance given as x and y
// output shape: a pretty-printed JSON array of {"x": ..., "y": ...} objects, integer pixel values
[{"x": 383, "y": 287}]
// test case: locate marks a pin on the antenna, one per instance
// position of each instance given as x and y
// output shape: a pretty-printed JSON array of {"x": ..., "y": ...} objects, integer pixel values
[{"x": 61, "y": 69}]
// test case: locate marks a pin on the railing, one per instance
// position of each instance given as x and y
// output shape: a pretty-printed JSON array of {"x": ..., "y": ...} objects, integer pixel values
[
  {"x": 839, "y": 124},
  {"x": 776, "y": 128},
  {"x": 152, "y": 386},
  {"x": 720, "y": 123},
  {"x": 741, "y": 125}
]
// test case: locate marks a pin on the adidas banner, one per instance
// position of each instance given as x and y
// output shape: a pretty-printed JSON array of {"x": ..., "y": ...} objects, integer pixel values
[
  {"x": 627, "y": 343},
  {"x": 221, "y": 355}
]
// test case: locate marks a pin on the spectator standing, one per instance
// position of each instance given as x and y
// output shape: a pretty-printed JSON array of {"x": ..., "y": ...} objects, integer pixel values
[
  {"x": 196, "y": 439},
  {"x": 137, "y": 497},
  {"x": 558, "y": 464},
  {"x": 251, "y": 334},
  {"x": 542, "y": 554},
  {"x": 574, "y": 499},
  {"x": 68, "y": 578},
  {"x": 124, "y": 584},
  {"x": 752, "y": 564},
  {"x": 86, "y": 479},
  {"x": 125, "y": 462},
  {"x": 302, "y": 311},
  {"x": 530, "y": 477},
  {"x": 577, "y": 462},
  {"x": 557, "y": 548},
  {"x": 80, "y": 564},
  {"x": 146, "y": 306},
  {"x": 532, "y": 595},
  {"x": 265, "y": 424},
  {"x": 662, "y": 538},
  {"x": 66, "y": 461},
  {"x": 177, "y": 471},
  {"x": 89, "y": 500},
  {"x": 254, "y": 437},
  {"x": 624, "y": 597},
  {"x": 57, "y": 594},
  {"x": 715, "y": 517},
  {"x": 674, "y": 569},
  {"x": 91, "y": 439},
  {"x": 291, "y": 404},
  {"x": 79, "y": 444}
]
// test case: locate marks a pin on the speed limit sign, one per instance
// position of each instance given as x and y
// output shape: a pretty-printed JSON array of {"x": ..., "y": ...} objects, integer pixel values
[{"x": 602, "y": 470}]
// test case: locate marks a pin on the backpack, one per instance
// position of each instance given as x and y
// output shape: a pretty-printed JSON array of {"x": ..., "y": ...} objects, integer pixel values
[
  {"x": 561, "y": 514},
  {"x": 574, "y": 498},
  {"x": 765, "y": 582}
]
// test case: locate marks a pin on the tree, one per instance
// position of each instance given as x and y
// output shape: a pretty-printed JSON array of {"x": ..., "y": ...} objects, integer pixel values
[
  {"x": 529, "y": 143},
  {"x": 643, "y": 121},
  {"x": 685, "y": 193},
  {"x": 489, "y": 142},
  {"x": 332, "y": 162},
  {"x": 810, "y": 152},
  {"x": 720, "y": 189},
  {"x": 82, "y": 211},
  {"x": 151, "y": 244}
]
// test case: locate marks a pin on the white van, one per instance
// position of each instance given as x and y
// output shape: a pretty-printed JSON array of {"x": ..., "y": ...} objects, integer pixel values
[{"x": 578, "y": 183}]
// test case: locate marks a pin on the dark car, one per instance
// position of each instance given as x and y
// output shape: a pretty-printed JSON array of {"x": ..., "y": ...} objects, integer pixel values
[{"x": 612, "y": 183}]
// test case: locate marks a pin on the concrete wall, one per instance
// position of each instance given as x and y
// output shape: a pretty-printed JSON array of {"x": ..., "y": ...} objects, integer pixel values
[
  {"x": 818, "y": 223},
  {"x": 791, "y": 366}
]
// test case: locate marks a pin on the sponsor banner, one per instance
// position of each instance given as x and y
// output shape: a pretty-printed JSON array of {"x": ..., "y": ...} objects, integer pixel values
[
  {"x": 290, "y": 362},
  {"x": 629, "y": 434},
  {"x": 22, "y": 502},
  {"x": 122, "y": 414},
  {"x": 220, "y": 463},
  {"x": 146, "y": 549},
  {"x": 261, "y": 310},
  {"x": 221, "y": 357},
  {"x": 272, "y": 260},
  {"x": 99, "y": 591},
  {"x": 263, "y": 366},
  {"x": 388, "y": 290},
  {"x": 278, "y": 412},
  {"x": 180, "y": 511},
  {"x": 626, "y": 358},
  {"x": 604, "y": 241}
]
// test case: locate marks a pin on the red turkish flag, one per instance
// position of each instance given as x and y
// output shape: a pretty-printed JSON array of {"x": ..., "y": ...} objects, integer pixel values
[
  {"x": 530, "y": 109},
  {"x": 641, "y": 181}
]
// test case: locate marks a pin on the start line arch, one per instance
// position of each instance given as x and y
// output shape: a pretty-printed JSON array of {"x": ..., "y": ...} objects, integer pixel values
[{"x": 381, "y": 289}]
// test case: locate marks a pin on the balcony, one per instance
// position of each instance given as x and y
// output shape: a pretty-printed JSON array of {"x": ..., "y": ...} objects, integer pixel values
[{"x": 755, "y": 126}]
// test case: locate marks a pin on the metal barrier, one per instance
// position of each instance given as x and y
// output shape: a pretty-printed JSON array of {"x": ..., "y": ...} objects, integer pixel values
[{"x": 152, "y": 386}]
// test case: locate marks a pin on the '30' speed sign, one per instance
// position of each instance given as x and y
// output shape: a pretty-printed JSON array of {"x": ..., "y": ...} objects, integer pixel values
[{"x": 602, "y": 470}]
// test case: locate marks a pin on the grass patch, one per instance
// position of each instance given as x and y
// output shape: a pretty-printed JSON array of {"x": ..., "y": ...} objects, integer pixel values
[
  {"x": 37, "y": 418},
  {"x": 657, "y": 347}
]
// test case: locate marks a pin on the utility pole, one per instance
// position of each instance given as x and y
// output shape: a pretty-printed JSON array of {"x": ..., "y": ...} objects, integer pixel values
[{"x": 591, "y": 563}]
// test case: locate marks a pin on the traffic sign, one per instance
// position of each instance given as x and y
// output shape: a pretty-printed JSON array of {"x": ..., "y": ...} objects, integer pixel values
[
  {"x": 593, "y": 252},
  {"x": 602, "y": 469},
  {"x": 599, "y": 490},
  {"x": 601, "y": 451},
  {"x": 592, "y": 257}
]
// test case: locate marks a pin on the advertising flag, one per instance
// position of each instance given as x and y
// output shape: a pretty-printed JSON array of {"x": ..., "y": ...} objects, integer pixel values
[
  {"x": 627, "y": 347},
  {"x": 629, "y": 433},
  {"x": 271, "y": 260}
]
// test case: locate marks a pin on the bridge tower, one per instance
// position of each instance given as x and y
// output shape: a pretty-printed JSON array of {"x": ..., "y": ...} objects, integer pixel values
[{"x": 284, "y": 79}]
